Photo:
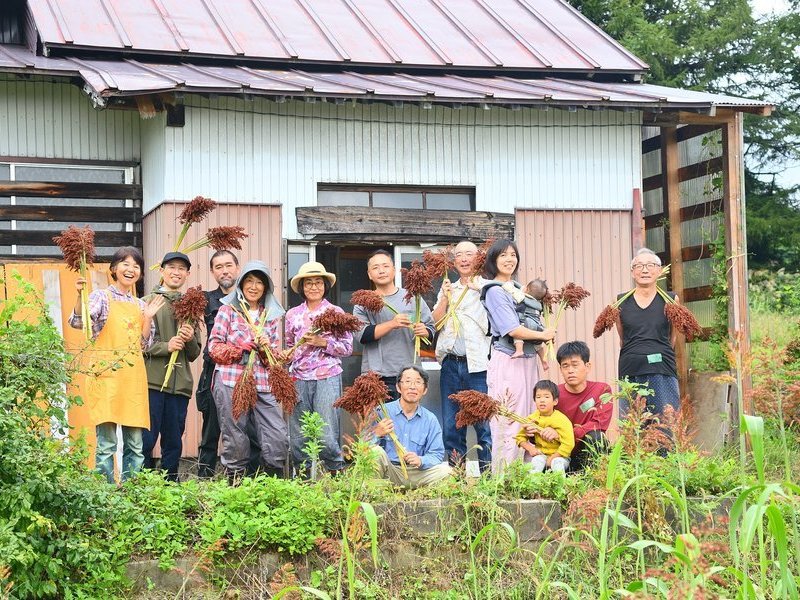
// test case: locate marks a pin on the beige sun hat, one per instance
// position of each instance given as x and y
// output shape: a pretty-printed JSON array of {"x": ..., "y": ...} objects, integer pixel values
[{"x": 311, "y": 269}]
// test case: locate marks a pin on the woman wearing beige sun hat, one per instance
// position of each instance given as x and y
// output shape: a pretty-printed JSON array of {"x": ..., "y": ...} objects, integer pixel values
[{"x": 316, "y": 364}]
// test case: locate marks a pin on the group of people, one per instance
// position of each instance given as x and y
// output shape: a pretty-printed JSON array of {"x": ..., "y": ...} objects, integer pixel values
[{"x": 490, "y": 342}]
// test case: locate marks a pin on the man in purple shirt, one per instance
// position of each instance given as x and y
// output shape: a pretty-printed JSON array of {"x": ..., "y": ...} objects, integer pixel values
[{"x": 418, "y": 431}]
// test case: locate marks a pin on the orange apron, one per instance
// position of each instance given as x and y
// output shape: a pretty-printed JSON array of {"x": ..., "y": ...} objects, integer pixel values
[{"x": 116, "y": 392}]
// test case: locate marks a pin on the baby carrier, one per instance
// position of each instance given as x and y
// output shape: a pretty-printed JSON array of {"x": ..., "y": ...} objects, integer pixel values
[{"x": 529, "y": 312}]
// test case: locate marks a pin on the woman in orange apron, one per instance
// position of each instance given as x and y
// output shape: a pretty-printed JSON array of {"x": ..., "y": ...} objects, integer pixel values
[{"x": 115, "y": 391}]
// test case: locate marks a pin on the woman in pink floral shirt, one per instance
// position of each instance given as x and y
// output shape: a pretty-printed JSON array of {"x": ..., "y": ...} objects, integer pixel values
[{"x": 316, "y": 364}]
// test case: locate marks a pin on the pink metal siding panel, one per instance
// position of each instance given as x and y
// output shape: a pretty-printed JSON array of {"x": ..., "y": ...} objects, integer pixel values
[
  {"x": 591, "y": 248},
  {"x": 429, "y": 33},
  {"x": 160, "y": 230}
]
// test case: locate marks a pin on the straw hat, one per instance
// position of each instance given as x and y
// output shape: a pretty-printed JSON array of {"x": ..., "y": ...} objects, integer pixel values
[{"x": 311, "y": 269}]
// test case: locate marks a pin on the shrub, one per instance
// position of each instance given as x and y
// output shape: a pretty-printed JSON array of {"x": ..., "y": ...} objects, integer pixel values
[
  {"x": 267, "y": 513},
  {"x": 55, "y": 540}
]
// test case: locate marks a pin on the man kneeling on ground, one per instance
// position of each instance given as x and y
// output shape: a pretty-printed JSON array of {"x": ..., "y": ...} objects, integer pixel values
[
  {"x": 418, "y": 431},
  {"x": 582, "y": 401}
]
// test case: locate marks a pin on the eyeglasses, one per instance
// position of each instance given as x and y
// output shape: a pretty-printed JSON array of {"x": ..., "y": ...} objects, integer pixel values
[
  {"x": 649, "y": 266},
  {"x": 308, "y": 283},
  {"x": 412, "y": 383}
]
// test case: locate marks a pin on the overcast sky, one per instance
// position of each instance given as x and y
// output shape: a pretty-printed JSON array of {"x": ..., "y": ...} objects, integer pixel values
[{"x": 764, "y": 7}]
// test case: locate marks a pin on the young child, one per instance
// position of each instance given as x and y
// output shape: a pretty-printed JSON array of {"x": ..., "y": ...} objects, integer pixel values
[
  {"x": 531, "y": 301},
  {"x": 539, "y": 453}
]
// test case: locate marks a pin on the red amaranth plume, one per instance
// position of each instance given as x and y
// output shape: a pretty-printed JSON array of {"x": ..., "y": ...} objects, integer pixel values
[
  {"x": 336, "y": 323},
  {"x": 438, "y": 263},
  {"x": 190, "y": 308},
  {"x": 371, "y": 300},
  {"x": 475, "y": 407},
  {"x": 683, "y": 320},
  {"x": 572, "y": 295},
  {"x": 282, "y": 387},
  {"x": 605, "y": 320},
  {"x": 226, "y": 238},
  {"x": 244, "y": 394},
  {"x": 197, "y": 210},
  {"x": 417, "y": 280},
  {"x": 480, "y": 258},
  {"x": 77, "y": 244},
  {"x": 367, "y": 393}
]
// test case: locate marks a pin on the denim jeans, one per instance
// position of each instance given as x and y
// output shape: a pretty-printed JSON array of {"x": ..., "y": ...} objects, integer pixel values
[
  {"x": 455, "y": 377},
  {"x": 318, "y": 396},
  {"x": 132, "y": 457},
  {"x": 167, "y": 421}
]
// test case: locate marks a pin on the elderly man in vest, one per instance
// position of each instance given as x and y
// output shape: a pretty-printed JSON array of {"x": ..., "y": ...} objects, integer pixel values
[{"x": 463, "y": 351}]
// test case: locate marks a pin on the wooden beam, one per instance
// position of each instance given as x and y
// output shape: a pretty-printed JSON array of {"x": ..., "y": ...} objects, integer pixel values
[
  {"x": 736, "y": 248},
  {"x": 688, "y": 213},
  {"x": 637, "y": 221},
  {"x": 684, "y": 133},
  {"x": 45, "y": 238},
  {"x": 701, "y": 169},
  {"x": 682, "y": 117},
  {"x": 67, "y": 213},
  {"x": 37, "y": 189},
  {"x": 672, "y": 204},
  {"x": 392, "y": 224}
]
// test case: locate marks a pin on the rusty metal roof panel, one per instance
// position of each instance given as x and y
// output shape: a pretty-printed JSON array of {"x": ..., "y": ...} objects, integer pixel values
[
  {"x": 543, "y": 35},
  {"x": 109, "y": 78}
]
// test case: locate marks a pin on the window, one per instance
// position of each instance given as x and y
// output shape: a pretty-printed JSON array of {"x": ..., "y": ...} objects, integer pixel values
[
  {"x": 28, "y": 222},
  {"x": 404, "y": 197}
]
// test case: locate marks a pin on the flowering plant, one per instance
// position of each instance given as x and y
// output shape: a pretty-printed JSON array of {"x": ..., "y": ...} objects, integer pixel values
[
  {"x": 476, "y": 407},
  {"x": 189, "y": 309},
  {"x": 477, "y": 268},
  {"x": 418, "y": 281},
  {"x": 569, "y": 296},
  {"x": 77, "y": 245},
  {"x": 368, "y": 395}
]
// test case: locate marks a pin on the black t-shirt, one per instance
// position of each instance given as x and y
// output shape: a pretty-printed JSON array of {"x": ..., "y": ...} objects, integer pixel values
[{"x": 646, "y": 333}]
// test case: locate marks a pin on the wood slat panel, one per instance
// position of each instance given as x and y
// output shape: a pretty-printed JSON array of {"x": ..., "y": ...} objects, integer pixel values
[
  {"x": 697, "y": 293},
  {"x": 161, "y": 229},
  {"x": 36, "y": 189},
  {"x": 45, "y": 238},
  {"x": 77, "y": 214}
]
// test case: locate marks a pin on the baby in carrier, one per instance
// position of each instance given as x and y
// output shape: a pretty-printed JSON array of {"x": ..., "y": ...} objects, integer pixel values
[{"x": 531, "y": 301}]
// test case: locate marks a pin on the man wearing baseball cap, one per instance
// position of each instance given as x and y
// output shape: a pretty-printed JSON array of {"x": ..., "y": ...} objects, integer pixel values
[{"x": 168, "y": 407}]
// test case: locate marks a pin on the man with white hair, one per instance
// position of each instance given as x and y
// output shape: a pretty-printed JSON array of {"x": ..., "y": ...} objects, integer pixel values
[
  {"x": 647, "y": 355},
  {"x": 463, "y": 351}
]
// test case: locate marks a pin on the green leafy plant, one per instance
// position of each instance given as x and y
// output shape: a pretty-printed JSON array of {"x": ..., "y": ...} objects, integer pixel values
[{"x": 312, "y": 426}]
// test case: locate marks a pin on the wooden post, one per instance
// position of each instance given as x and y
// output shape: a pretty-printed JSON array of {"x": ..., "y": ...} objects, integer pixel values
[
  {"x": 672, "y": 207},
  {"x": 736, "y": 248},
  {"x": 637, "y": 221}
]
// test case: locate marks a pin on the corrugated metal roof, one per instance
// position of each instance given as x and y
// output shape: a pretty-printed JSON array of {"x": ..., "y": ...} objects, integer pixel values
[
  {"x": 107, "y": 79},
  {"x": 542, "y": 35}
]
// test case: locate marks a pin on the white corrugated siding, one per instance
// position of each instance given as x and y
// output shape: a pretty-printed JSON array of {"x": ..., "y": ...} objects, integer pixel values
[
  {"x": 259, "y": 151},
  {"x": 42, "y": 119}
]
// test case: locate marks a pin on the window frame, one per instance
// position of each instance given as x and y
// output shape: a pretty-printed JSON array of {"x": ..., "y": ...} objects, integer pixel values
[{"x": 370, "y": 189}]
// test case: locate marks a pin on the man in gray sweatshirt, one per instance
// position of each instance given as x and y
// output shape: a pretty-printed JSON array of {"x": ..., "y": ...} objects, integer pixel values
[{"x": 388, "y": 338}]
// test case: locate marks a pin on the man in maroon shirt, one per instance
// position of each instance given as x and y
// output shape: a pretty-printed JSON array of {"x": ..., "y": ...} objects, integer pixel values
[{"x": 583, "y": 402}]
